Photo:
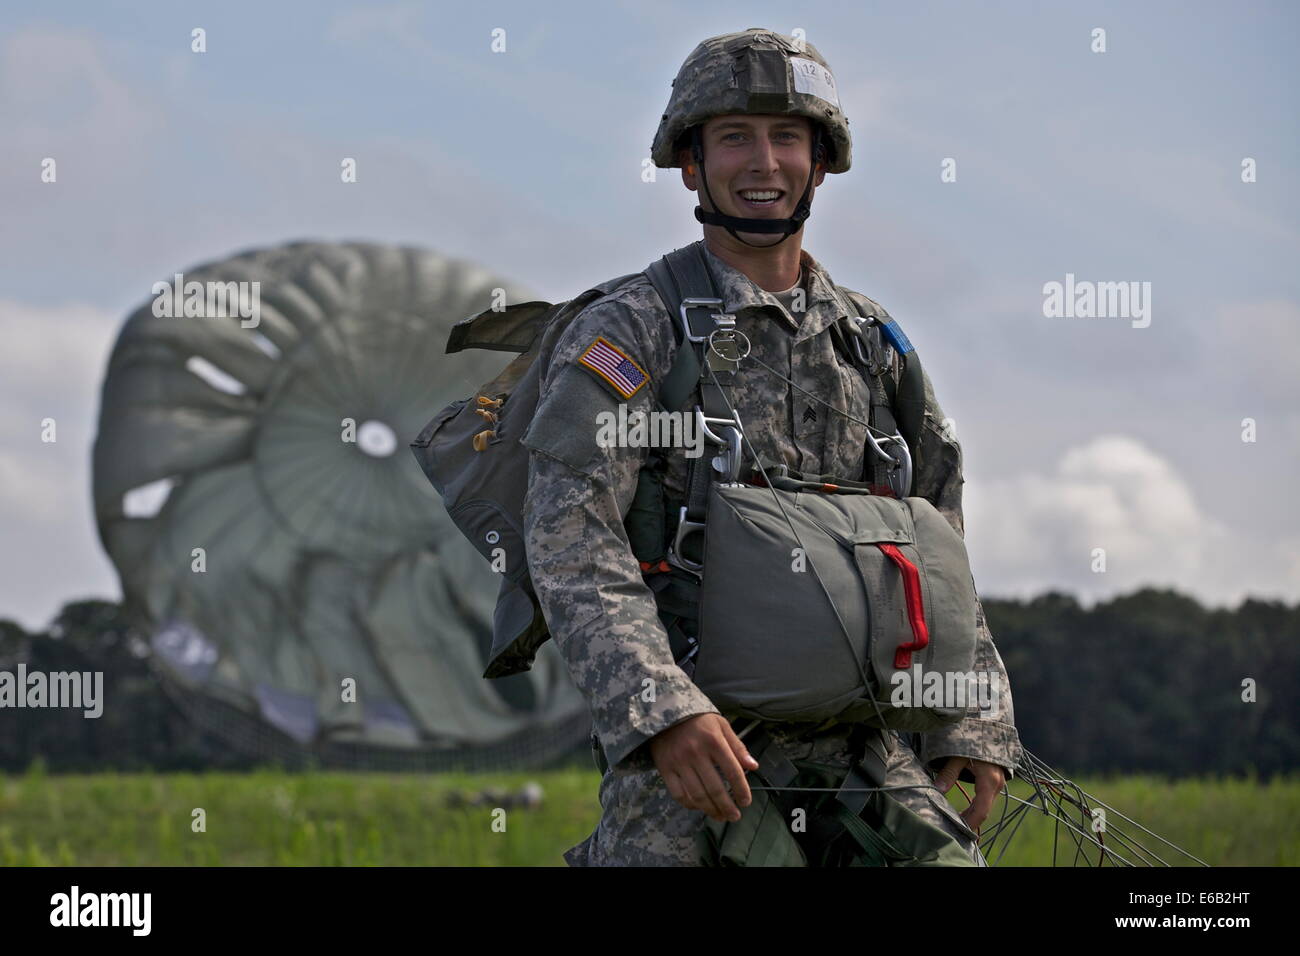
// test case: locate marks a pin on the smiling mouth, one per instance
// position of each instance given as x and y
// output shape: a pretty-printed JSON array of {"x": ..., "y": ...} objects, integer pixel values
[{"x": 760, "y": 198}]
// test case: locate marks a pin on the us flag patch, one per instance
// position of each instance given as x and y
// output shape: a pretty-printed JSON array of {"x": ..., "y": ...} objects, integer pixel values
[{"x": 607, "y": 361}]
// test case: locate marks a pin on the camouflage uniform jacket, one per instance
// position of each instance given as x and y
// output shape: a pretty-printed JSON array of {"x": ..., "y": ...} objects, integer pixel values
[{"x": 600, "y": 611}]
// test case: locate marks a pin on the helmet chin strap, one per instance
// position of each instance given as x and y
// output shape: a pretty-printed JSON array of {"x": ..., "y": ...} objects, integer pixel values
[{"x": 802, "y": 209}]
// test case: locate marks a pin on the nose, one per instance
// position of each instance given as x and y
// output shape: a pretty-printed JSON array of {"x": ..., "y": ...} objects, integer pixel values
[{"x": 762, "y": 159}]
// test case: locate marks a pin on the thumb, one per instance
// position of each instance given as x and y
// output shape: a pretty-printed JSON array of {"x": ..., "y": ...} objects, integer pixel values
[{"x": 948, "y": 775}]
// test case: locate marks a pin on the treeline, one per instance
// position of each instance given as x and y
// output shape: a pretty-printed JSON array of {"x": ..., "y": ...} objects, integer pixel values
[
  {"x": 140, "y": 727},
  {"x": 1149, "y": 682},
  {"x": 1153, "y": 681}
]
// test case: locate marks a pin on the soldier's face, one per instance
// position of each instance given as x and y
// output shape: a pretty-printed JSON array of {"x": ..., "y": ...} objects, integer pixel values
[{"x": 757, "y": 166}]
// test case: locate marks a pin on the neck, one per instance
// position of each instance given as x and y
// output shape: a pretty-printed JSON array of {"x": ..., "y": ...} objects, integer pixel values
[{"x": 773, "y": 269}]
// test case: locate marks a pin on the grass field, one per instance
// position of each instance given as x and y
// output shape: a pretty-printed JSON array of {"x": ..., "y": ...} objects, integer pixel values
[{"x": 276, "y": 818}]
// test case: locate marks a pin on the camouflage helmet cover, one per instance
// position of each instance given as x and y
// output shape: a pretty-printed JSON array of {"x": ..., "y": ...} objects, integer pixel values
[{"x": 756, "y": 71}]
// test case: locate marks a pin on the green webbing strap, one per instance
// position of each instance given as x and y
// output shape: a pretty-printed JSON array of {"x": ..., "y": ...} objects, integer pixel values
[
  {"x": 776, "y": 770},
  {"x": 681, "y": 378},
  {"x": 680, "y": 275},
  {"x": 648, "y": 521},
  {"x": 909, "y": 405},
  {"x": 879, "y": 850},
  {"x": 685, "y": 373}
]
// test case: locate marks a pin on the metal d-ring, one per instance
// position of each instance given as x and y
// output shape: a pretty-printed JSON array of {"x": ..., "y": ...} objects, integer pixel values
[{"x": 714, "y": 350}]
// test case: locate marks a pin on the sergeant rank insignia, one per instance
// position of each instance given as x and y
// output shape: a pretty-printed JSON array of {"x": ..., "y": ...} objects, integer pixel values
[{"x": 612, "y": 365}]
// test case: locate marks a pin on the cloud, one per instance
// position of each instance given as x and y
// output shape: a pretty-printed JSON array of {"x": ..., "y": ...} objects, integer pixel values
[
  {"x": 52, "y": 363},
  {"x": 59, "y": 97},
  {"x": 1036, "y": 531}
]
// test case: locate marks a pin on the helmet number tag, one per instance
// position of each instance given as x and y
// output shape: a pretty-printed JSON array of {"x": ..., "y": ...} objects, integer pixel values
[{"x": 813, "y": 78}]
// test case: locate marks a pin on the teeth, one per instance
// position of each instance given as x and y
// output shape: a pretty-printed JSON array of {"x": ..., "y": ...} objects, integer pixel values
[{"x": 760, "y": 195}]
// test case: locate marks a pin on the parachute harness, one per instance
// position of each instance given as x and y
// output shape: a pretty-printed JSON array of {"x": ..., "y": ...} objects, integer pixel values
[{"x": 1075, "y": 812}]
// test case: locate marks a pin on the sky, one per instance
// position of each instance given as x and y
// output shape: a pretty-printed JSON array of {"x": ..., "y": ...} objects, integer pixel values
[{"x": 1115, "y": 165}]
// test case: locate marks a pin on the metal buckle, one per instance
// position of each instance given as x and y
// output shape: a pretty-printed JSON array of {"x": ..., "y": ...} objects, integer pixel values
[
  {"x": 900, "y": 475},
  {"x": 734, "y": 333},
  {"x": 726, "y": 464},
  {"x": 684, "y": 527},
  {"x": 730, "y": 469},
  {"x": 722, "y": 320},
  {"x": 861, "y": 343},
  {"x": 856, "y": 323}
]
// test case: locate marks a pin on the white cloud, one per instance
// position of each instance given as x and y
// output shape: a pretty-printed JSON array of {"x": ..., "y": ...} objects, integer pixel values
[
  {"x": 52, "y": 362},
  {"x": 63, "y": 346},
  {"x": 1038, "y": 531},
  {"x": 59, "y": 97}
]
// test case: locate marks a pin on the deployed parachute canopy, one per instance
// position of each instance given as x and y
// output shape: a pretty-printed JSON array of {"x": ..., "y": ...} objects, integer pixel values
[{"x": 253, "y": 488}]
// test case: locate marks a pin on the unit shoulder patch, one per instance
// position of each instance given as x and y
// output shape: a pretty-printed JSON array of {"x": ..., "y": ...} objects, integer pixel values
[{"x": 614, "y": 367}]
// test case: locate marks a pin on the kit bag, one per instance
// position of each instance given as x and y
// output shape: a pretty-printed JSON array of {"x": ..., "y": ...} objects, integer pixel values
[
  {"x": 471, "y": 453},
  {"x": 819, "y": 605}
]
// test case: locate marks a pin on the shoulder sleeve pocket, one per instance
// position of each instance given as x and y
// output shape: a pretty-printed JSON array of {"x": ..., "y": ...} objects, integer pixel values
[{"x": 565, "y": 425}]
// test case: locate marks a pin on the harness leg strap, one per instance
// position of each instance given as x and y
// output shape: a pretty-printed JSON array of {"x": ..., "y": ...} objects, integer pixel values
[
  {"x": 774, "y": 767},
  {"x": 868, "y": 769}
]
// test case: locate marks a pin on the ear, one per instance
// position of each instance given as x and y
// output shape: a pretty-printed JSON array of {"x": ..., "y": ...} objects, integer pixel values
[{"x": 689, "y": 171}]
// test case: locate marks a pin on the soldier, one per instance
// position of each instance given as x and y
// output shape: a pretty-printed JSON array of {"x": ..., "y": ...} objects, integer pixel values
[{"x": 754, "y": 122}]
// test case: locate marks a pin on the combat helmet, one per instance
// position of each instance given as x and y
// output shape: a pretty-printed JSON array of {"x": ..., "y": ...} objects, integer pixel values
[{"x": 755, "y": 71}]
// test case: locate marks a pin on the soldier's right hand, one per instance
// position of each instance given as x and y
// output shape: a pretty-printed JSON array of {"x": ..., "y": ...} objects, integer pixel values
[{"x": 689, "y": 756}]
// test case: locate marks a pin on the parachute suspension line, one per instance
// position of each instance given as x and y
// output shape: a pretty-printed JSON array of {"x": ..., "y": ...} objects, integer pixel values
[
  {"x": 1112, "y": 812},
  {"x": 866, "y": 683},
  {"x": 1071, "y": 808},
  {"x": 1052, "y": 795}
]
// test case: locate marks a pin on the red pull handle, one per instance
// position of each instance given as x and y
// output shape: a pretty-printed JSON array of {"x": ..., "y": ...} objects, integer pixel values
[{"x": 915, "y": 609}]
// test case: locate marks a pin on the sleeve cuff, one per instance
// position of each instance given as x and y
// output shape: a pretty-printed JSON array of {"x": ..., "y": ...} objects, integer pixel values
[
  {"x": 993, "y": 741},
  {"x": 627, "y": 721}
]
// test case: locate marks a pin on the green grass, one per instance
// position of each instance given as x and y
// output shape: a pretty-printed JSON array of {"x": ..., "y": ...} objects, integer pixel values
[
  {"x": 1225, "y": 822},
  {"x": 357, "y": 819}
]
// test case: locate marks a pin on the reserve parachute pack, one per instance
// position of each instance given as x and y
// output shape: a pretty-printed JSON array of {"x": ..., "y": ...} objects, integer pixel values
[{"x": 800, "y": 598}]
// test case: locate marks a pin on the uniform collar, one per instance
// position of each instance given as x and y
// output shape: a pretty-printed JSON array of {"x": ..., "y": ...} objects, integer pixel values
[{"x": 738, "y": 292}]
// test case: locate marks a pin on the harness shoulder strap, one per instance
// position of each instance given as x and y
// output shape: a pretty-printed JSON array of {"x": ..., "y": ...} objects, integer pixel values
[
  {"x": 900, "y": 406},
  {"x": 689, "y": 291},
  {"x": 672, "y": 275}
]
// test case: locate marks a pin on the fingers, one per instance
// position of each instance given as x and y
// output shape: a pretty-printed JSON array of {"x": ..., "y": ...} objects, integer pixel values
[
  {"x": 688, "y": 790},
  {"x": 948, "y": 775},
  {"x": 734, "y": 768},
  {"x": 699, "y": 764},
  {"x": 988, "y": 783},
  {"x": 696, "y": 795},
  {"x": 677, "y": 789},
  {"x": 738, "y": 748},
  {"x": 691, "y": 788},
  {"x": 716, "y": 801}
]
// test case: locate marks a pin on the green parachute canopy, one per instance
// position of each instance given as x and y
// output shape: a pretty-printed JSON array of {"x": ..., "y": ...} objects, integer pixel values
[{"x": 306, "y": 591}]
